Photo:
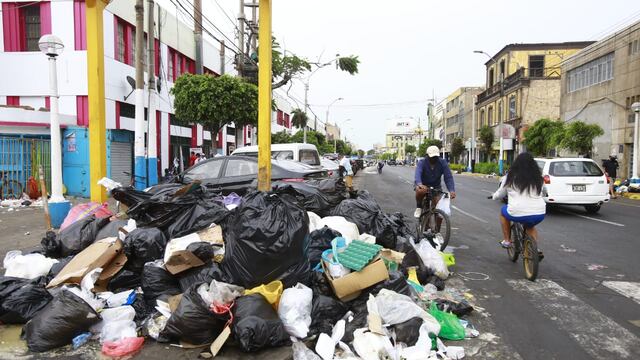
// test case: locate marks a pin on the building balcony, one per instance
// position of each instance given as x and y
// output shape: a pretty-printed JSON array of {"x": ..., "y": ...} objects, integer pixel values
[{"x": 520, "y": 78}]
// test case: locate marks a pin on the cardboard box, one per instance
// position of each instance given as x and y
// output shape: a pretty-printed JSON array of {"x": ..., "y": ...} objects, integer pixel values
[
  {"x": 98, "y": 255},
  {"x": 177, "y": 259},
  {"x": 348, "y": 287}
]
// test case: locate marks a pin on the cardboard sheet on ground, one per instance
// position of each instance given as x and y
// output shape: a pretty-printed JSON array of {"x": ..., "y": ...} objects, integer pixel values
[
  {"x": 176, "y": 257},
  {"x": 100, "y": 254},
  {"x": 348, "y": 287}
]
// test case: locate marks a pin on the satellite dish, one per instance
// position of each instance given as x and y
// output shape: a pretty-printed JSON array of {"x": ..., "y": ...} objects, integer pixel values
[{"x": 131, "y": 82}]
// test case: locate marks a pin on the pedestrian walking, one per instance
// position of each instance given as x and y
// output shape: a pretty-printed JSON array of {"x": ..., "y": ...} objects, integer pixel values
[
  {"x": 611, "y": 168},
  {"x": 346, "y": 171}
]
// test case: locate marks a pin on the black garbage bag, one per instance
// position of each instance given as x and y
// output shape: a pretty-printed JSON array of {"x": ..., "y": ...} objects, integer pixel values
[
  {"x": 298, "y": 273},
  {"x": 397, "y": 282},
  {"x": 201, "y": 215},
  {"x": 437, "y": 282},
  {"x": 319, "y": 241},
  {"x": 334, "y": 189},
  {"x": 408, "y": 332},
  {"x": 256, "y": 324},
  {"x": 359, "y": 321},
  {"x": 65, "y": 317},
  {"x": 157, "y": 281},
  {"x": 111, "y": 229},
  {"x": 203, "y": 250},
  {"x": 57, "y": 267},
  {"x": 142, "y": 309},
  {"x": 124, "y": 280},
  {"x": 22, "y": 299},
  {"x": 74, "y": 238},
  {"x": 412, "y": 259},
  {"x": 461, "y": 308},
  {"x": 320, "y": 284},
  {"x": 325, "y": 312},
  {"x": 193, "y": 321},
  {"x": 264, "y": 238},
  {"x": 130, "y": 196},
  {"x": 201, "y": 274},
  {"x": 143, "y": 245},
  {"x": 308, "y": 197}
]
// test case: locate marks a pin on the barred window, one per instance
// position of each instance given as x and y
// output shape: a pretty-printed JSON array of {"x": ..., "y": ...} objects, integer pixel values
[{"x": 592, "y": 73}]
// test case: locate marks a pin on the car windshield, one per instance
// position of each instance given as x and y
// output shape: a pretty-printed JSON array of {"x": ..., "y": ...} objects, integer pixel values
[
  {"x": 574, "y": 168},
  {"x": 309, "y": 157},
  {"x": 276, "y": 155}
]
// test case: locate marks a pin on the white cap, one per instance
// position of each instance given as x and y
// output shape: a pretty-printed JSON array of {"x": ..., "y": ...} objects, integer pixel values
[{"x": 433, "y": 151}]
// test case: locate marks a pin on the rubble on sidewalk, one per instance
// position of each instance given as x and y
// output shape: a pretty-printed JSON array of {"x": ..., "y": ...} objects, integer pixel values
[{"x": 196, "y": 269}]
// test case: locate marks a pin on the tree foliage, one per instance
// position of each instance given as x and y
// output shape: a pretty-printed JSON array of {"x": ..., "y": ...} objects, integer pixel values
[
  {"x": 457, "y": 148},
  {"x": 214, "y": 102},
  {"x": 388, "y": 156},
  {"x": 486, "y": 138},
  {"x": 299, "y": 118},
  {"x": 422, "y": 149},
  {"x": 360, "y": 153},
  {"x": 578, "y": 137},
  {"x": 371, "y": 152},
  {"x": 409, "y": 149},
  {"x": 544, "y": 135}
]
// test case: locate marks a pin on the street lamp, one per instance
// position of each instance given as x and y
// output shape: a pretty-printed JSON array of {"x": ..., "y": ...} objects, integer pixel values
[
  {"x": 500, "y": 156},
  {"x": 329, "y": 107},
  {"x": 52, "y": 46},
  {"x": 636, "y": 143}
]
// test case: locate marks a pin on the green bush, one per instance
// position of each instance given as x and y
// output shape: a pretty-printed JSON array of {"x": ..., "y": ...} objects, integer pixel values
[
  {"x": 486, "y": 168},
  {"x": 457, "y": 167}
]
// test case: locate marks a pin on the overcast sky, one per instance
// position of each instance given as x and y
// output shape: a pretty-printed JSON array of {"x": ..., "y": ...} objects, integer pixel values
[{"x": 410, "y": 49}]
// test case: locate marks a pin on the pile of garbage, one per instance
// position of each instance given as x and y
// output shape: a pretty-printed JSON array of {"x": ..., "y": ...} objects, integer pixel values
[{"x": 306, "y": 265}]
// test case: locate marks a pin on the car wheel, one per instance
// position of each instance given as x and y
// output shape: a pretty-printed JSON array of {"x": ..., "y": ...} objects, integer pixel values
[{"x": 592, "y": 209}]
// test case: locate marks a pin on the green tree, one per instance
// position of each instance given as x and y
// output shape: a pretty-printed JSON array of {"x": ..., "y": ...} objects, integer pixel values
[
  {"x": 360, "y": 153},
  {"x": 578, "y": 137},
  {"x": 457, "y": 148},
  {"x": 486, "y": 138},
  {"x": 422, "y": 149},
  {"x": 371, "y": 152},
  {"x": 281, "y": 137},
  {"x": 388, "y": 156},
  {"x": 544, "y": 135},
  {"x": 287, "y": 66},
  {"x": 214, "y": 102},
  {"x": 299, "y": 118},
  {"x": 409, "y": 149}
]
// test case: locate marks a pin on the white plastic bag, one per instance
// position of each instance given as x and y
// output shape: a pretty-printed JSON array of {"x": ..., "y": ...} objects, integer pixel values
[
  {"x": 314, "y": 220},
  {"x": 432, "y": 259},
  {"x": 118, "y": 330},
  {"x": 121, "y": 313},
  {"x": 417, "y": 351},
  {"x": 444, "y": 204},
  {"x": 294, "y": 310},
  {"x": 369, "y": 239},
  {"x": 302, "y": 352},
  {"x": 348, "y": 229},
  {"x": 219, "y": 293},
  {"x": 371, "y": 346},
  {"x": 396, "y": 308},
  {"x": 28, "y": 266},
  {"x": 119, "y": 299},
  {"x": 84, "y": 292},
  {"x": 326, "y": 345},
  {"x": 109, "y": 184}
]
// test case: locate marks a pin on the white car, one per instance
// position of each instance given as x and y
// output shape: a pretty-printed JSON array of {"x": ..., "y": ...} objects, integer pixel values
[
  {"x": 304, "y": 153},
  {"x": 332, "y": 167},
  {"x": 574, "y": 181}
]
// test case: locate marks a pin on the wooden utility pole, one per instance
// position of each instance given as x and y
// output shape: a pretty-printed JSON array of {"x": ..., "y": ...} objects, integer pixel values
[
  {"x": 222, "y": 57},
  {"x": 140, "y": 177},
  {"x": 241, "y": 21},
  {"x": 197, "y": 18}
]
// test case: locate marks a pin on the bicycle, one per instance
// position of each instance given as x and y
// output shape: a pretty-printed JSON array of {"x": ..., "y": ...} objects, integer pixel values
[
  {"x": 528, "y": 246},
  {"x": 432, "y": 220},
  {"x": 10, "y": 189}
]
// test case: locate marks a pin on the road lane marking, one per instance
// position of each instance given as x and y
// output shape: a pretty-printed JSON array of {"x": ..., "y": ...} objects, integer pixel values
[
  {"x": 405, "y": 180},
  {"x": 469, "y": 215},
  {"x": 487, "y": 191},
  {"x": 590, "y": 218},
  {"x": 626, "y": 288},
  {"x": 597, "y": 334}
]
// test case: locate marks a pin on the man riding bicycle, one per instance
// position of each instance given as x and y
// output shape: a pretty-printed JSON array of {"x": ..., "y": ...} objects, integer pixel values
[{"x": 429, "y": 172}]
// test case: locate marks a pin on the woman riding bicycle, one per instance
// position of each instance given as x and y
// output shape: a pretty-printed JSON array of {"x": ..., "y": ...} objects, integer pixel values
[{"x": 523, "y": 185}]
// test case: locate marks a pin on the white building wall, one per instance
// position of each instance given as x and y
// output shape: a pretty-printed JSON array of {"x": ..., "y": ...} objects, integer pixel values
[{"x": 62, "y": 24}]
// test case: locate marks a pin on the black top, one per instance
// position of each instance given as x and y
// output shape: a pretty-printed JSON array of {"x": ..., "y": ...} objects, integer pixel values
[{"x": 611, "y": 167}]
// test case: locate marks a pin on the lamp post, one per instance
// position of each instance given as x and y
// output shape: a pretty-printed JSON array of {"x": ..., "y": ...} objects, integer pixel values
[
  {"x": 636, "y": 143},
  {"x": 500, "y": 155},
  {"x": 52, "y": 46},
  {"x": 329, "y": 107}
]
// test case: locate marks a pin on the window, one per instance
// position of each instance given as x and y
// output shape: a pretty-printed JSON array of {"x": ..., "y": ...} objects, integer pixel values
[
  {"x": 24, "y": 23},
  {"x": 482, "y": 118},
  {"x": 490, "y": 116},
  {"x": 634, "y": 47},
  {"x": 171, "y": 65},
  {"x": 281, "y": 155},
  {"x": 286, "y": 121},
  {"x": 121, "y": 43},
  {"x": 206, "y": 170},
  {"x": 499, "y": 112},
  {"x": 80, "y": 25},
  {"x": 239, "y": 167},
  {"x": 512, "y": 107},
  {"x": 536, "y": 65},
  {"x": 574, "y": 168},
  {"x": 127, "y": 110},
  {"x": 491, "y": 77},
  {"x": 592, "y": 73},
  {"x": 231, "y": 131},
  {"x": 502, "y": 67}
]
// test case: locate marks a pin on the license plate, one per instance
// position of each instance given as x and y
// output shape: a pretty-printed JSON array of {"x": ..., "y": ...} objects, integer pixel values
[{"x": 579, "y": 188}]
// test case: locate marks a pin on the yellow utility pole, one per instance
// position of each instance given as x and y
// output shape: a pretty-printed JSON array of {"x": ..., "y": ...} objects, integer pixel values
[
  {"x": 95, "y": 76},
  {"x": 264, "y": 96}
]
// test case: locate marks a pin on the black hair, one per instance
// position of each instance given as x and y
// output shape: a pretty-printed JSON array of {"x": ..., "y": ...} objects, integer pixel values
[{"x": 525, "y": 175}]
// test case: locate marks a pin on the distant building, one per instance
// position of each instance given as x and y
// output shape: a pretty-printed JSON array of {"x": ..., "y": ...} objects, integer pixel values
[
  {"x": 522, "y": 86},
  {"x": 332, "y": 131},
  {"x": 600, "y": 83},
  {"x": 458, "y": 113},
  {"x": 402, "y": 132}
]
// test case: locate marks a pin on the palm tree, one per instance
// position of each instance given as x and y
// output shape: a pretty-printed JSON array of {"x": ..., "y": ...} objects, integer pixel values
[{"x": 299, "y": 118}]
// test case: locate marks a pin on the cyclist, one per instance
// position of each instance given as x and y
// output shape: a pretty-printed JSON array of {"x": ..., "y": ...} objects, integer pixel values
[
  {"x": 429, "y": 173},
  {"x": 523, "y": 185}
]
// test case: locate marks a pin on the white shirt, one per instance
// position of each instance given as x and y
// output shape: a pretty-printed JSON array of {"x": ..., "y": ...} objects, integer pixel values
[
  {"x": 346, "y": 164},
  {"x": 521, "y": 204}
]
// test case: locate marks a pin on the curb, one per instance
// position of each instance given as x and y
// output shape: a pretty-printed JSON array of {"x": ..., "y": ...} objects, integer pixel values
[{"x": 631, "y": 196}]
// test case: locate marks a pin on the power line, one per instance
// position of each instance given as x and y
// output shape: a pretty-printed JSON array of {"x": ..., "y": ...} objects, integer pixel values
[
  {"x": 226, "y": 15},
  {"x": 377, "y": 104}
]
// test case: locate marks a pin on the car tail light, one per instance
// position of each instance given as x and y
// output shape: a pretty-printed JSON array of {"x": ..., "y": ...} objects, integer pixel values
[
  {"x": 293, "y": 180},
  {"x": 330, "y": 173},
  {"x": 547, "y": 179}
]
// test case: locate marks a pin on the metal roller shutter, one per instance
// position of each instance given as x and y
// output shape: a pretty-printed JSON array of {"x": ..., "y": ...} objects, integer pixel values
[{"x": 121, "y": 162}]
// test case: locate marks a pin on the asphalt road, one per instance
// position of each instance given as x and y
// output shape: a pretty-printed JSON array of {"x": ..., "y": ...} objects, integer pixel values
[{"x": 586, "y": 302}]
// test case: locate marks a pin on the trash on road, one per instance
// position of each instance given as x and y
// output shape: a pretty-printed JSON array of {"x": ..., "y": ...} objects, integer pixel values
[{"x": 28, "y": 266}]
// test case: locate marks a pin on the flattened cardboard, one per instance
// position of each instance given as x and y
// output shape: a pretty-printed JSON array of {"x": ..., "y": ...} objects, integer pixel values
[
  {"x": 99, "y": 254},
  {"x": 182, "y": 260},
  {"x": 392, "y": 255},
  {"x": 347, "y": 287},
  {"x": 109, "y": 271},
  {"x": 212, "y": 235}
]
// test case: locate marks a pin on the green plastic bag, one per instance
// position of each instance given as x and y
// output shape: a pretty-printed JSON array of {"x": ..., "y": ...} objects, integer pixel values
[{"x": 450, "y": 328}]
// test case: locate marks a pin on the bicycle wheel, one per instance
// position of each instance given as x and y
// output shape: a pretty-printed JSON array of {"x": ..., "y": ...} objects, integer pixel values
[
  {"x": 439, "y": 223},
  {"x": 11, "y": 189},
  {"x": 530, "y": 258},
  {"x": 514, "y": 250}
]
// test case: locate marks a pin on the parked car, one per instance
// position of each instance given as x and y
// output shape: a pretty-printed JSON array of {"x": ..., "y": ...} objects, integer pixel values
[
  {"x": 391, "y": 162},
  {"x": 574, "y": 181},
  {"x": 331, "y": 167},
  {"x": 304, "y": 153},
  {"x": 237, "y": 174}
]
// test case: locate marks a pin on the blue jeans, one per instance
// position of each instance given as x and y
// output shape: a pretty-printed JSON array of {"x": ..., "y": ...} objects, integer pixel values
[{"x": 528, "y": 221}]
